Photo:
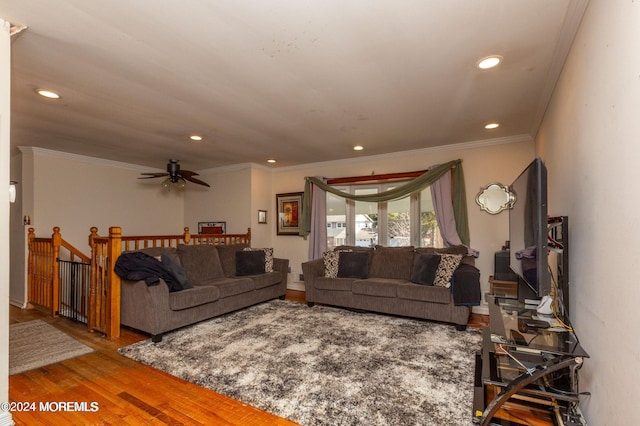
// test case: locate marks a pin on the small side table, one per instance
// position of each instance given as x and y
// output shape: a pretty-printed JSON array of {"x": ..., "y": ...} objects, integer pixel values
[{"x": 506, "y": 289}]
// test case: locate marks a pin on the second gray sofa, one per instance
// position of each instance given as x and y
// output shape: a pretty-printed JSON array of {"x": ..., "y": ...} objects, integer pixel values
[{"x": 386, "y": 280}]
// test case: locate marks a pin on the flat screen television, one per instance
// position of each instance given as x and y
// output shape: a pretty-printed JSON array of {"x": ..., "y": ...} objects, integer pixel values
[{"x": 528, "y": 257}]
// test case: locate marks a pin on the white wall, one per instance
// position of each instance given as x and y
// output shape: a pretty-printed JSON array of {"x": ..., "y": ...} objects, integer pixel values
[
  {"x": 228, "y": 200},
  {"x": 5, "y": 84},
  {"x": 483, "y": 163},
  {"x": 262, "y": 198},
  {"x": 589, "y": 141}
]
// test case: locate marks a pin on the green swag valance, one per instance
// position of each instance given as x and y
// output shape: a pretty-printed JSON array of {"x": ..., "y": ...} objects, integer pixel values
[{"x": 417, "y": 184}]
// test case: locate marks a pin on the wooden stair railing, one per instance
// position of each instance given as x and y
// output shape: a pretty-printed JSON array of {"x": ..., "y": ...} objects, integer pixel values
[
  {"x": 43, "y": 285},
  {"x": 104, "y": 294}
]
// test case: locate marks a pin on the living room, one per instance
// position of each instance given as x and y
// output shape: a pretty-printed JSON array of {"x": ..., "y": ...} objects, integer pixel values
[{"x": 586, "y": 140}]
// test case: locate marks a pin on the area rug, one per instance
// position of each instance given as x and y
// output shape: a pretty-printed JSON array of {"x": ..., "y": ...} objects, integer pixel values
[
  {"x": 34, "y": 344},
  {"x": 326, "y": 366}
]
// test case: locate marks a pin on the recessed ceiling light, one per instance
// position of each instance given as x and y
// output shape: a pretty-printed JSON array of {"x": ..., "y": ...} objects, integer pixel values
[
  {"x": 492, "y": 126},
  {"x": 489, "y": 62},
  {"x": 358, "y": 148},
  {"x": 271, "y": 160},
  {"x": 196, "y": 138},
  {"x": 48, "y": 94}
]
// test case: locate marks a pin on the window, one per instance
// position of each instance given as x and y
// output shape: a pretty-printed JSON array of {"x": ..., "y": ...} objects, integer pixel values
[{"x": 406, "y": 221}]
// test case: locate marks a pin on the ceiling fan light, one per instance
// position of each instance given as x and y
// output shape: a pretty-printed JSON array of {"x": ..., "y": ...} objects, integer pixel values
[{"x": 166, "y": 184}]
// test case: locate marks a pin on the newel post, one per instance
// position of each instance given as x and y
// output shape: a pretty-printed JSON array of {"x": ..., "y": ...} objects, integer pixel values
[
  {"x": 93, "y": 280},
  {"x": 114, "y": 248},
  {"x": 56, "y": 242},
  {"x": 187, "y": 235}
]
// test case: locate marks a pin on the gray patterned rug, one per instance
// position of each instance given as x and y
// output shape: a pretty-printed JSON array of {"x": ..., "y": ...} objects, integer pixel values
[
  {"x": 326, "y": 366},
  {"x": 34, "y": 344}
]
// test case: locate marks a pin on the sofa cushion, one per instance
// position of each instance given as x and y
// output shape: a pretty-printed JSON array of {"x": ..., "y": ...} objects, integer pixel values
[
  {"x": 353, "y": 264},
  {"x": 230, "y": 286},
  {"x": 201, "y": 262},
  {"x": 268, "y": 257},
  {"x": 424, "y": 293},
  {"x": 173, "y": 265},
  {"x": 334, "y": 284},
  {"x": 267, "y": 279},
  {"x": 227, "y": 255},
  {"x": 381, "y": 287},
  {"x": 424, "y": 270},
  {"x": 250, "y": 263},
  {"x": 195, "y": 296},
  {"x": 392, "y": 262},
  {"x": 446, "y": 268}
]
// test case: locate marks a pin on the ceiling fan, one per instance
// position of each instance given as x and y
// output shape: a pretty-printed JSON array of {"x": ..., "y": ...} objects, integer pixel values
[{"x": 175, "y": 176}]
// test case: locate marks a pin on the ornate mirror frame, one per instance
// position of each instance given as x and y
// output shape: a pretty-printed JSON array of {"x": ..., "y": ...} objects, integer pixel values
[{"x": 495, "y": 198}]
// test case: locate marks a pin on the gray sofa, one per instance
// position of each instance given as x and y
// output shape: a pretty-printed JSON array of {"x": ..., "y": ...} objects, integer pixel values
[
  {"x": 390, "y": 280},
  {"x": 213, "y": 288}
]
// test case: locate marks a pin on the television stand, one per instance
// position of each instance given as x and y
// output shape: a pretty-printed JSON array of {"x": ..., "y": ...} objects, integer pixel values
[{"x": 527, "y": 367}]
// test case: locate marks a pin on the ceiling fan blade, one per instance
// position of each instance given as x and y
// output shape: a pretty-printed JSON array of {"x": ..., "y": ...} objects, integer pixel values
[
  {"x": 152, "y": 175},
  {"x": 194, "y": 180},
  {"x": 185, "y": 173}
]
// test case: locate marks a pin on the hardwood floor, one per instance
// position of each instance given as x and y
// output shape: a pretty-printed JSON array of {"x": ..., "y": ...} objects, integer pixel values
[{"x": 126, "y": 392}]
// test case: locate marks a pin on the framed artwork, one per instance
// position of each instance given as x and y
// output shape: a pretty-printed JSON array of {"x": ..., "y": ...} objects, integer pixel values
[
  {"x": 212, "y": 227},
  {"x": 289, "y": 208},
  {"x": 262, "y": 216}
]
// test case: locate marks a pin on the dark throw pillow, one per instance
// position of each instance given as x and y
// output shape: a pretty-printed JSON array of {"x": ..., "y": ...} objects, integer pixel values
[
  {"x": 250, "y": 262},
  {"x": 353, "y": 264},
  {"x": 424, "y": 269},
  {"x": 176, "y": 269}
]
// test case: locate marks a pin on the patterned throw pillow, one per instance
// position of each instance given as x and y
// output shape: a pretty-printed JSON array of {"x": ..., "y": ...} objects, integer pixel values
[
  {"x": 446, "y": 268},
  {"x": 332, "y": 263},
  {"x": 268, "y": 257}
]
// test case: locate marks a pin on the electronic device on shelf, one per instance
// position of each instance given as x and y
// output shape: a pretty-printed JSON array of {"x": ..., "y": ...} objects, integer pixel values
[{"x": 532, "y": 235}]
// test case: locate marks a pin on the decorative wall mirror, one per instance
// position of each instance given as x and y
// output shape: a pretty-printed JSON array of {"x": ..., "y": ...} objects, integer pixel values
[{"x": 494, "y": 198}]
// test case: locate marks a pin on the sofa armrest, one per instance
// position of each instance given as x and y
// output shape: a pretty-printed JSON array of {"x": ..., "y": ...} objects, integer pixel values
[
  {"x": 144, "y": 307},
  {"x": 311, "y": 270},
  {"x": 282, "y": 266}
]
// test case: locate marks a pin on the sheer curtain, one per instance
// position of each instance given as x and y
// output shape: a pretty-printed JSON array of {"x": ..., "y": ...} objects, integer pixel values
[
  {"x": 444, "y": 209},
  {"x": 318, "y": 231}
]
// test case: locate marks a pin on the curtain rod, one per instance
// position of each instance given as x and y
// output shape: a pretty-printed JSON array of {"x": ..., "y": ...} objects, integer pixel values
[{"x": 387, "y": 176}]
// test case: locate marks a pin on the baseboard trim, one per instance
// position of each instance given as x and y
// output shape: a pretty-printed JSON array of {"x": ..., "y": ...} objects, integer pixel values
[{"x": 298, "y": 286}]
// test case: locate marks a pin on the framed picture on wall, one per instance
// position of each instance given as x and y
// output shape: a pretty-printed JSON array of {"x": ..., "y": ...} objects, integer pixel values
[
  {"x": 289, "y": 208},
  {"x": 262, "y": 216},
  {"x": 212, "y": 227}
]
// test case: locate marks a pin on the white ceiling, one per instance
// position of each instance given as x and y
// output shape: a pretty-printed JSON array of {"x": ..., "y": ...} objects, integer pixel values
[{"x": 299, "y": 81}]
